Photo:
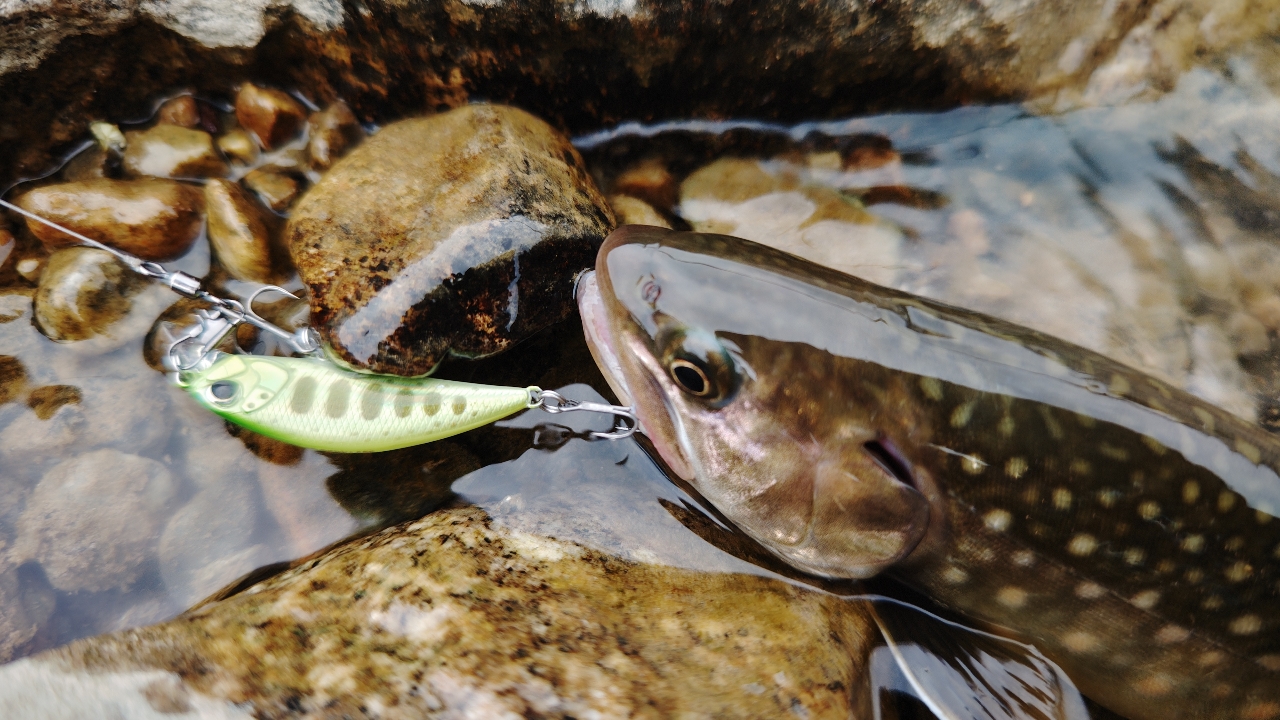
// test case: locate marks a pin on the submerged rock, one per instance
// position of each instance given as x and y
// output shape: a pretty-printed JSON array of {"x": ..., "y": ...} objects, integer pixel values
[
  {"x": 182, "y": 111},
  {"x": 239, "y": 146},
  {"x": 150, "y": 218},
  {"x": 241, "y": 235},
  {"x": 208, "y": 543},
  {"x": 277, "y": 190},
  {"x": 83, "y": 291},
  {"x": 450, "y": 616},
  {"x": 93, "y": 521},
  {"x": 459, "y": 233},
  {"x": 332, "y": 132},
  {"x": 172, "y": 151},
  {"x": 633, "y": 211},
  {"x": 273, "y": 116}
]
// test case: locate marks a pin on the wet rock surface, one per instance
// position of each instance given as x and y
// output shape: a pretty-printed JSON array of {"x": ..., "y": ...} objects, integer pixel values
[
  {"x": 172, "y": 151},
  {"x": 149, "y": 218},
  {"x": 271, "y": 115},
  {"x": 241, "y": 235},
  {"x": 276, "y": 189},
  {"x": 452, "y": 615},
  {"x": 458, "y": 233},
  {"x": 332, "y": 132},
  {"x": 81, "y": 512}
]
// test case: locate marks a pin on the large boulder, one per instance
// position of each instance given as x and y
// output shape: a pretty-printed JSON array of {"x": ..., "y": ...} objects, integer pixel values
[
  {"x": 456, "y": 616},
  {"x": 458, "y": 233}
]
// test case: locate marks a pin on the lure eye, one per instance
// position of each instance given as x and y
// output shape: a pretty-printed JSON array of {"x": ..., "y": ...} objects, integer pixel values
[
  {"x": 690, "y": 377},
  {"x": 223, "y": 390}
]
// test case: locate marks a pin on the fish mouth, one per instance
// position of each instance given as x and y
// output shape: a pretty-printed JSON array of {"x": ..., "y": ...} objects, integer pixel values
[
  {"x": 599, "y": 337},
  {"x": 604, "y": 348}
]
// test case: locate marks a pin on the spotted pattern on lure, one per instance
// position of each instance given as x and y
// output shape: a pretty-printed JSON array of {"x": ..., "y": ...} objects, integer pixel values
[
  {"x": 1124, "y": 527},
  {"x": 312, "y": 403}
]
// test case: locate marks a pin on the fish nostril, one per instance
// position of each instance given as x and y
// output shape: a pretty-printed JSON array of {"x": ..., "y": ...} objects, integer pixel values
[{"x": 887, "y": 455}]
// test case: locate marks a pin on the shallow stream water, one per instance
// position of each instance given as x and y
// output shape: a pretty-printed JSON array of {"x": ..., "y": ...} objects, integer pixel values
[{"x": 1147, "y": 232}]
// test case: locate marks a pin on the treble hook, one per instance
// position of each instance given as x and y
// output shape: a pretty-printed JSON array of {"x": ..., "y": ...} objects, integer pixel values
[{"x": 625, "y": 422}]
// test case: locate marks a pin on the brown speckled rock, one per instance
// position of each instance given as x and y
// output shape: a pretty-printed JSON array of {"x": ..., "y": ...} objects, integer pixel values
[
  {"x": 451, "y": 616},
  {"x": 82, "y": 292},
  {"x": 239, "y": 146},
  {"x": 270, "y": 114},
  {"x": 182, "y": 111},
  {"x": 240, "y": 234},
  {"x": 151, "y": 218},
  {"x": 458, "y": 233},
  {"x": 171, "y": 151}
]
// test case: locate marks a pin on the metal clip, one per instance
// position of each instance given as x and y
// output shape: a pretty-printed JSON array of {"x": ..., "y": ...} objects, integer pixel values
[{"x": 625, "y": 421}]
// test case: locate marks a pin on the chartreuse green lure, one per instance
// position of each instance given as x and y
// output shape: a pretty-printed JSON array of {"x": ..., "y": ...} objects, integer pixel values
[{"x": 312, "y": 403}]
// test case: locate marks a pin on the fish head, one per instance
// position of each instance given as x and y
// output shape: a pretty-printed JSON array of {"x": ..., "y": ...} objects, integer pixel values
[
  {"x": 746, "y": 420},
  {"x": 236, "y": 385}
]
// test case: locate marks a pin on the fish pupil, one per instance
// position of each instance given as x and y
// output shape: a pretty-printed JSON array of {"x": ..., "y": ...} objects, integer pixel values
[
  {"x": 690, "y": 377},
  {"x": 223, "y": 390}
]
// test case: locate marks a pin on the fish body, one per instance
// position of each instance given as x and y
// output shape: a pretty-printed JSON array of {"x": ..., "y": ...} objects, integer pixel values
[
  {"x": 1124, "y": 527},
  {"x": 312, "y": 403}
]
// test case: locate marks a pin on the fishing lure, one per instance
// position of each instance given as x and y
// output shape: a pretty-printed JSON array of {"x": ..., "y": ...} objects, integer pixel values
[{"x": 310, "y": 402}]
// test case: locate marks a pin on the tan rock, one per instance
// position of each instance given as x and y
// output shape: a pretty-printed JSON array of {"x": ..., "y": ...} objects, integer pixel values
[
  {"x": 240, "y": 235},
  {"x": 650, "y": 181},
  {"x": 277, "y": 190},
  {"x": 83, "y": 292},
  {"x": 273, "y": 116},
  {"x": 333, "y": 131},
  {"x": 150, "y": 218},
  {"x": 457, "y": 233},
  {"x": 181, "y": 111},
  {"x": 170, "y": 151},
  {"x": 634, "y": 211},
  {"x": 239, "y": 146},
  {"x": 451, "y": 616}
]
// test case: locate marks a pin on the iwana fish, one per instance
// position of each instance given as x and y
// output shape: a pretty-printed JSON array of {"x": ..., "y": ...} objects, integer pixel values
[{"x": 1122, "y": 526}]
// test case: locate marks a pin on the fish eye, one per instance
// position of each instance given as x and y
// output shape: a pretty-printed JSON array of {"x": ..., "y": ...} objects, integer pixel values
[
  {"x": 223, "y": 390},
  {"x": 699, "y": 365},
  {"x": 690, "y": 377}
]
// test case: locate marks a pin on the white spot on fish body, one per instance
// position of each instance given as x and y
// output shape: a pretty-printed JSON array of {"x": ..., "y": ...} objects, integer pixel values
[
  {"x": 997, "y": 520},
  {"x": 962, "y": 414},
  {"x": 1193, "y": 544},
  {"x": 1226, "y": 501},
  {"x": 1090, "y": 591},
  {"x": 1109, "y": 497},
  {"x": 1082, "y": 545},
  {"x": 1170, "y": 634},
  {"x": 1012, "y": 597},
  {"x": 972, "y": 464},
  {"x": 1213, "y": 657},
  {"x": 1006, "y": 426},
  {"x": 1194, "y": 576},
  {"x": 1024, "y": 558},
  {"x": 955, "y": 576},
  {"x": 1248, "y": 624},
  {"x": 1135, "y": 556},
  {"x": 1190, "y": 492},
  {"x": 1080, "y": 466},
  {"x": 1270, "y": 662},
  {"x": 1149, "y": 510},
  {"x": 1157, "y": 685},
  {"x": 1062, "y": 498},
  {"x": 1145, "y": 600},
  {"x": 1213, "y": 602},
  {"x": 1016, "y": 467},
  {"x": 932, "y": 388},
  {"x": 1080, "y": 641},
  {"x": 1238, "y": 572}
]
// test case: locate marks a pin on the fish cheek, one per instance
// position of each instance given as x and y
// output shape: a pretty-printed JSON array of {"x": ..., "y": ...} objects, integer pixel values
[{"x": 864, "y": 518}]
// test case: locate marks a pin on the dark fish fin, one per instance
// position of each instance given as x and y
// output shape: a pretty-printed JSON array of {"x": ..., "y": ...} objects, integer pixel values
[{"x": 965, "y": 674}]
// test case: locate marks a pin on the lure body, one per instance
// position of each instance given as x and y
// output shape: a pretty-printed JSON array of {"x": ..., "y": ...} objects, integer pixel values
[{"x": 311, "y": 403}]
